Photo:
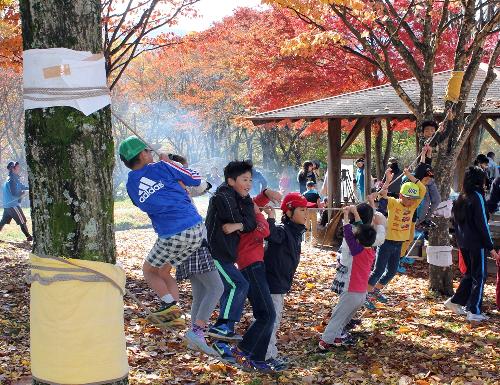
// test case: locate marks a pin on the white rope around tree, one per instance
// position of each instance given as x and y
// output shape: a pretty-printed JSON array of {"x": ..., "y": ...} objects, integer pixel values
[{"x": 59, "y": 94}]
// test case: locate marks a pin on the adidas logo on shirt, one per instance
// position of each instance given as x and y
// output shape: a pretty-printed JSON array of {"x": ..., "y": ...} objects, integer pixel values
[{"x": 148, "y": 187}]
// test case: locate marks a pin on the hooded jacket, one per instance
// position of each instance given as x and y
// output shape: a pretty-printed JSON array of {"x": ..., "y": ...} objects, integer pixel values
[
  {"x": 474, "y": 232},
  {"x": 13, "y": 191},
  {"x": 282, "y": 255},
  {"x": 227, "y": 206}
]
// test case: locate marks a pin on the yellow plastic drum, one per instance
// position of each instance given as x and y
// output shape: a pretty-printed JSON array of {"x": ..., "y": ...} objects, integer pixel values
[{"x": 77, "y": 329}]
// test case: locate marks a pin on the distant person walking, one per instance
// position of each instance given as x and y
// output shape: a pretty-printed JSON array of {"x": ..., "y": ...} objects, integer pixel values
[{"x": 13, "y": 192}]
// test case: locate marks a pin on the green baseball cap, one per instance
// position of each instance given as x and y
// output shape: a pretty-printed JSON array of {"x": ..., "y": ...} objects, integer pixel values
[
  {"x": 130, "y": 147},
  {"x": 410, "y": 190}
]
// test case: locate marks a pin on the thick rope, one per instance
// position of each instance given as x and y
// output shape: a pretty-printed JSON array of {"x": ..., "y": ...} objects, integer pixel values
[
  {"x": 133, "y": 131},
  {"x": 73, "y": 93}
]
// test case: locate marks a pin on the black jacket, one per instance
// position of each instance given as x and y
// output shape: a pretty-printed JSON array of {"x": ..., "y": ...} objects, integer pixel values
[
  {"x": 474, "y": 232},
  {"x": 282, "y": 255},
  {"x": 303, "y": 178},
  {"x": 227, "y": 206},
  {"x": 492, "y": 203}
]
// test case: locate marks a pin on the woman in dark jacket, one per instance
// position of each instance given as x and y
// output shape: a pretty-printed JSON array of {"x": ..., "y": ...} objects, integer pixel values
[
  {"x": 474, "y": 240},
  {"x": 305, "y": 175}
]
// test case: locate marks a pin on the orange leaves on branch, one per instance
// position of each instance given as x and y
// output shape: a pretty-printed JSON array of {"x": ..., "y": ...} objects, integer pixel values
[
  {"x": 316, "y": 127},
  {"x": 10, "y": 31},
  {"x": 308, "y": 42}
]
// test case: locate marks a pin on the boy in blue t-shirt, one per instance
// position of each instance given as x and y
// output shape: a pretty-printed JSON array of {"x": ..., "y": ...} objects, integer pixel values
[{"x": 158, "y": 189}]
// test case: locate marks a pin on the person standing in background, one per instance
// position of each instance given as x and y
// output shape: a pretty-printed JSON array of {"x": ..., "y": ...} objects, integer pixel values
[
  {"x": 305, "y": 175},
  {"x": 492, "y": 166},
  {"x": 259, "y": 183},
  {"x": 360, "y": 178}
]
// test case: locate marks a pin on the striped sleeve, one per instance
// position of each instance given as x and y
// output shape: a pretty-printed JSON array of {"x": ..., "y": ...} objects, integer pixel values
[
  {"x": 185, "y": 175},
  {"x": 481, "y": 221}
]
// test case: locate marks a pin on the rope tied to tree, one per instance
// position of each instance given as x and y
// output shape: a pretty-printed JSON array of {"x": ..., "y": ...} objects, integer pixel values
[{"x": 67, "y": 93}]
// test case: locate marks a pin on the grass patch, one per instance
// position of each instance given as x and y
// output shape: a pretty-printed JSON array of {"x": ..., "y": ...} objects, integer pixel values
[{"x": 127, "y": 217}]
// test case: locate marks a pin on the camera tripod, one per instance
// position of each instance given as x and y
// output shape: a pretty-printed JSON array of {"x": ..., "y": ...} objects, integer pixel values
[{"x": 347, "y": 187}]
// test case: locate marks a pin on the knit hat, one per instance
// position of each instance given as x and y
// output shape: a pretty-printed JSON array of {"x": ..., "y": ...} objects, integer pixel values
[{"x": 294, "y": 200}]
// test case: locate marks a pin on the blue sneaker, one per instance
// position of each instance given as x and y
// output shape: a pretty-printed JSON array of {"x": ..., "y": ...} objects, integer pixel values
[
  {"x": 223, "y": 350},
  {"x": 259, "y": 366},
  {"x": 401, "y": 269},
  {"x": 370, "y": 303},
  {"x": 278, "y": 364},
  {"x": 408, "y": 261},
  {"x": 379, "y": 296},
  {"x": 223, "y": 333},
  {"x": 248, "y": 364}
]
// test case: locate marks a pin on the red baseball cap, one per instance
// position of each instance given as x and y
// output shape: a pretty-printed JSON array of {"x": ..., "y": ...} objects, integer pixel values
[{"x": 294, "y": 200}]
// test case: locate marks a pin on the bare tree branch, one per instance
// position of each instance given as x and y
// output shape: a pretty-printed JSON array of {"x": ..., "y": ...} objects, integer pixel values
[{"x": 475, "y": 113}]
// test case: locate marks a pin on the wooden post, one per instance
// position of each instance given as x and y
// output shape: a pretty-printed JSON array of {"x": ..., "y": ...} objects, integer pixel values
[
  {"x": 368, "y": 160},
  {"x": 334, "y": 164},
  {"x": 491, "y": 130}
]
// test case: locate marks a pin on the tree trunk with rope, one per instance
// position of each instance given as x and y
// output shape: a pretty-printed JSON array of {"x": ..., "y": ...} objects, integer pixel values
[{"x": 70, "y": 156}]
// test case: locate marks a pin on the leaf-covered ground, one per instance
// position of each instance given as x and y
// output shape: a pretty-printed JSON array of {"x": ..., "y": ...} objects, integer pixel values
[{"x": 411, "y": 340}]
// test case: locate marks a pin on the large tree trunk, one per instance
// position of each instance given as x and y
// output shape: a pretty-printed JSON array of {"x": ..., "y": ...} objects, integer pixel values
[
  {"x": 441, "y": 278},
  {"x": 70, "y": 156}
]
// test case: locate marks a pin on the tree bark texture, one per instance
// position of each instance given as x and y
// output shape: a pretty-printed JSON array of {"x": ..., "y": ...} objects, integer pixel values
[
  {"x": 441, "y": 278},
  {"x": 70, "y": 156}
]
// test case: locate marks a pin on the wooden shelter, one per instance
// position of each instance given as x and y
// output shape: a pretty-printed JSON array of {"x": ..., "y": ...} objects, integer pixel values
[{"x": 378, "y": 103}]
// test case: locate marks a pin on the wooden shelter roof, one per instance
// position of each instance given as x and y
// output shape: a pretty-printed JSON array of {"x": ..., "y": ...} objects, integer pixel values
[{"x": 382, "y": 101}]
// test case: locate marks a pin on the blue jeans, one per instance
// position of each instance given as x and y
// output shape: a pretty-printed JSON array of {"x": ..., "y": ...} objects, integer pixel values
[
  {"x": 256, "y": 339},
  {"x": 430, "y": 202},
  {"x": 234, "y": 295},
  {"x": 386, "y": 263}
]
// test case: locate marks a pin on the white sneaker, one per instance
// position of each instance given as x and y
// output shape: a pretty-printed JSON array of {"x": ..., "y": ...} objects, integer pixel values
[
  {"x": 197, "y": 342},
  {"x": 476, "y": 317},
  {"x": 454, "y": 307}
]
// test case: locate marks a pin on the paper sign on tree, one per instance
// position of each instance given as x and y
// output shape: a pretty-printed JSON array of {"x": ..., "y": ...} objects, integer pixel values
[{"x": 64, "y": 77}]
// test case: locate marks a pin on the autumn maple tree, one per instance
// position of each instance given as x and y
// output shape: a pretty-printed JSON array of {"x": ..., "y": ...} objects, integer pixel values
[
  {"x": 10, "y": 45},
  {"x": 409, "y": 33}
]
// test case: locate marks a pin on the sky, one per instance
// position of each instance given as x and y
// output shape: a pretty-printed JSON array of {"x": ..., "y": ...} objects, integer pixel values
[{"x": 210, "y": 11}]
